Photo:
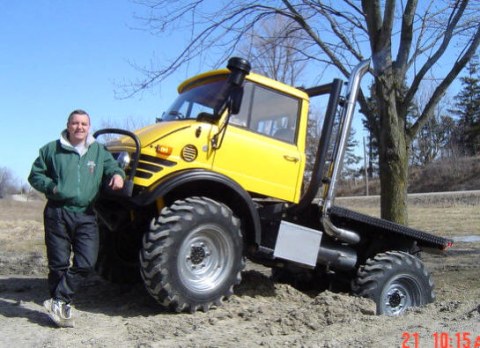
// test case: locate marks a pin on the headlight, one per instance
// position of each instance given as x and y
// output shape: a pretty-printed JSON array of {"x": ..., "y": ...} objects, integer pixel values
[{"x": 123, "y": 159}]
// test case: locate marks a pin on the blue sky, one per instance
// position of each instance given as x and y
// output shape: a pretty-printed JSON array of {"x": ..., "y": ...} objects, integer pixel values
[{"x": 59, "y": 55}]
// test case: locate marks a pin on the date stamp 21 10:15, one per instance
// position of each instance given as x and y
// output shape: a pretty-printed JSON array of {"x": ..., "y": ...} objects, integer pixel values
[{"x": 442, "y": 340}]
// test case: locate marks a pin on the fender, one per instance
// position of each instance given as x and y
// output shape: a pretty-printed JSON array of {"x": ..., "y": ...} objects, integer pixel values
[{"x": 208, "y": 183}]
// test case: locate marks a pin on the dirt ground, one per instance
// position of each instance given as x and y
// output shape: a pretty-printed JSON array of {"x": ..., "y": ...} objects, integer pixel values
[{"x": 261, "y": 313}]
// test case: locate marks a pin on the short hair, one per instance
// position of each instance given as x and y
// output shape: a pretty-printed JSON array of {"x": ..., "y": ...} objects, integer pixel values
[{"x": 78, "y": 112}]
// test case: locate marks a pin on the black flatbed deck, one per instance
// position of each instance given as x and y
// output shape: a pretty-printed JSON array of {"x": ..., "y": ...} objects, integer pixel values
[{"x": 355, "y": 221}]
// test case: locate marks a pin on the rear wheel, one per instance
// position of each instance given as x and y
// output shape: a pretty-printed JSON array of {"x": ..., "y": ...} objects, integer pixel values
[
  {"x": 396, "y": 281},
  {"x": 192, "y": 254}
]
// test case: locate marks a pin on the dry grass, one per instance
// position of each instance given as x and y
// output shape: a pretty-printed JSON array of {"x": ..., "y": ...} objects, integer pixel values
[
  {"x": 448, "y": 222},
  {"x": 448, "y": 215},
  {"x": 21, "y": 226},
  {"x": 11, "y": 210}
]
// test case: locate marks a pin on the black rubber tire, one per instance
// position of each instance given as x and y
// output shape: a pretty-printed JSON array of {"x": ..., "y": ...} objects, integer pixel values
[
  {"x": 396, "y": 281},
  {"x": 193, "y": 255},
  {"x": 118, "y": 260}
]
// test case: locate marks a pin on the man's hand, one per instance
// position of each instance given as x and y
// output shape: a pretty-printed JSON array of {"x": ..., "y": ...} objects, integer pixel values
[{"x": 116, "y": 182}]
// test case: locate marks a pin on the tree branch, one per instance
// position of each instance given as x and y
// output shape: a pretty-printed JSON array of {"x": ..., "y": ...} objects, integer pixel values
[
  {"x": 442, "y": 87},
  {"x": 405, "y": 38},
  {"x": 308, "y": 29},
  {"x": 455, "y": 17}
]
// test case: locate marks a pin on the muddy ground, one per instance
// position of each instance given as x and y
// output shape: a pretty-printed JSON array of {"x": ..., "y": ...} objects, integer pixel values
[{"x": 261, "y": 313}]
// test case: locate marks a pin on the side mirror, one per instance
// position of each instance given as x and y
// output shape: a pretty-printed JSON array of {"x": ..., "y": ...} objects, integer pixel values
[
  {"x": 232, "y": 95},
  {"x": 236, "y": 96}
]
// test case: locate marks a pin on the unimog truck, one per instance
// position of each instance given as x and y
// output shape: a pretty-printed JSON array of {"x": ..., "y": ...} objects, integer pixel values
[{"x": 220, "y": 178}]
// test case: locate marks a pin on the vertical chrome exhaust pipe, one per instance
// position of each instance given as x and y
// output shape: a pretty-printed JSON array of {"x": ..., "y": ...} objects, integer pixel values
[{"x": 336, "y": 165}]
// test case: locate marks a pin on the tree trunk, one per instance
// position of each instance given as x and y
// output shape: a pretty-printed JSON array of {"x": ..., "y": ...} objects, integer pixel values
[
  {"x": 394, "y": 180},
  {"x": 393, "y": 156}
]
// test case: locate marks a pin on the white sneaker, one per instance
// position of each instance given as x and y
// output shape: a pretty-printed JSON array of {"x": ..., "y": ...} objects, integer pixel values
[
  {"x": 67, "y": 315},
  {"x": 53, "y": 310},
  {"x": 59, "y": 312}
]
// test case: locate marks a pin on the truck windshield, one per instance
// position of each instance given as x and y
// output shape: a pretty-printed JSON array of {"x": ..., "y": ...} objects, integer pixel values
[{"x": 198, "y": 100}]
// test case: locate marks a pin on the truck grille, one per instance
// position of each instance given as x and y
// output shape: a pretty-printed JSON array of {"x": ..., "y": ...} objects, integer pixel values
[{"x": 149, "y": 165}]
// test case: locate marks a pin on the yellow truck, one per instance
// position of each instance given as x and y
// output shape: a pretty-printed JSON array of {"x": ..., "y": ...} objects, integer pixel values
[{"x": 220, "y": 179}]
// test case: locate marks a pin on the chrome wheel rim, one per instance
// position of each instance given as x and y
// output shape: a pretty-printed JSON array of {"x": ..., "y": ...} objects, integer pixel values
[
  {"x": 205, "y": 258},
  {"x": 400, "y": 294}
]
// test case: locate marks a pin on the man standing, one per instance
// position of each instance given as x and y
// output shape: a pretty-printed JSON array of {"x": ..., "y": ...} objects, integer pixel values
[{"x": 70, "y": 172}]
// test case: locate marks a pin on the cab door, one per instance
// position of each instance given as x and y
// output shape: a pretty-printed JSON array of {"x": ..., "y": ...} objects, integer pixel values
[{"x": 259, "y": 149}]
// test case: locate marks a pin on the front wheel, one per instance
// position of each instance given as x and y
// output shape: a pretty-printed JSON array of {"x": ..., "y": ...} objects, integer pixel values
[
  {"x": 396, "y": 281},
  {"x": 192, "y": 255}
]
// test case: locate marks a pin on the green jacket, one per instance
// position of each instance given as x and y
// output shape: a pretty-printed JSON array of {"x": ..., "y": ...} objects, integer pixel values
[{"x": 77, "y": 178}]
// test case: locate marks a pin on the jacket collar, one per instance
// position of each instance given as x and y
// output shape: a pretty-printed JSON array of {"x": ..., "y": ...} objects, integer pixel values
[{"x": 65, "y": 142}]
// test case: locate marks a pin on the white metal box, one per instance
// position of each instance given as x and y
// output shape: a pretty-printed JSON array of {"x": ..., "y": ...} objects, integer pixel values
[{"x": 297, "y": 243}]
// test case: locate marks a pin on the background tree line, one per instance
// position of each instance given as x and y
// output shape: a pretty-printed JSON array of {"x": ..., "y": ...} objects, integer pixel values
[
  {"x": 453, "y": 131},
  {"x": 10, "y": 184}
]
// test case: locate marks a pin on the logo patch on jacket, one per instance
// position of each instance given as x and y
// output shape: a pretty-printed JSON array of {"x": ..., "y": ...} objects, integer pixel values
[{"x": 91, "y": 166}]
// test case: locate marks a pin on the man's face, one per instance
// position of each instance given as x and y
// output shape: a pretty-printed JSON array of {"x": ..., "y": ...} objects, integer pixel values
[{"x": 78, "y": 128}]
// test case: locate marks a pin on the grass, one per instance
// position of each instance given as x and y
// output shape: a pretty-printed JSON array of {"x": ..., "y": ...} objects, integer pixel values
[
  {"x": 11, "y": 210},
  {"x": 446, "y": 221},
  {"x": 21, "y": 226},
  {"x": 447, "y": 215}
]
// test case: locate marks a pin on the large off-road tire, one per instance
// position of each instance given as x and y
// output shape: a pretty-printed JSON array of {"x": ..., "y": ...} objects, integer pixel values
[
  {"x": 118, "y": 260},
  {"x": 396, "y": 281},
  {"x": 192, "y": 256}
]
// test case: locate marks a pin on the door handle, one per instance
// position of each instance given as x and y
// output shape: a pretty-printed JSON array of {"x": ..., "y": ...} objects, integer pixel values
[{"x": 291, "y": 158}]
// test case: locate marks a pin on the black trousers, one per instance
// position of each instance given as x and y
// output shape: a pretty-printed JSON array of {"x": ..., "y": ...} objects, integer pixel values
[{"x": 66, "y": 233}]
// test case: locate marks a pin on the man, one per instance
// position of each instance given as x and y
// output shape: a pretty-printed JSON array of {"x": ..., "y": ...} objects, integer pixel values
[{"x": 70, "y": 172}]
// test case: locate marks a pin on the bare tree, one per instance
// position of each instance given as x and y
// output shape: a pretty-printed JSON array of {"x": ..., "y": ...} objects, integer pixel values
[
  {"x": 128, "y": 123},
  {"x": 436, "y": 135},
  {"x": 6, "y": 181},
  {"x": 406, "y": 41},
  {"x": 273, "y": 49}
]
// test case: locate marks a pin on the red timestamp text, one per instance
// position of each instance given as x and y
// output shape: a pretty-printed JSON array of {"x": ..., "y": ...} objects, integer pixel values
[{"x": 463, "y": 339}]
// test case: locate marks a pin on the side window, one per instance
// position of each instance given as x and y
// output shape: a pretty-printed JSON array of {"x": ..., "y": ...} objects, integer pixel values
[
  {"x": 268, "y": 112},
  {"x": 242, "y": 118}
]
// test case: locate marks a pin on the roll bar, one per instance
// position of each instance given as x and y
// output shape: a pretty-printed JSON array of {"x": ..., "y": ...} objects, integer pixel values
[{"x": 128, "y": 185}]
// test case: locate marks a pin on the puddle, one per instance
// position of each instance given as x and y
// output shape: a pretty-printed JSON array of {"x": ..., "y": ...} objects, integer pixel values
[{"x": 467, "y": 239}]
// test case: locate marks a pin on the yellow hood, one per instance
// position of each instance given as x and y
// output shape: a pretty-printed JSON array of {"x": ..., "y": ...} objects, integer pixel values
[{"x": 150, "y": 134}]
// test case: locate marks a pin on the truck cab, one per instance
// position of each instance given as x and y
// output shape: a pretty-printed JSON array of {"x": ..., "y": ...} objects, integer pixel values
[{"x": 269, "y": 131}]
